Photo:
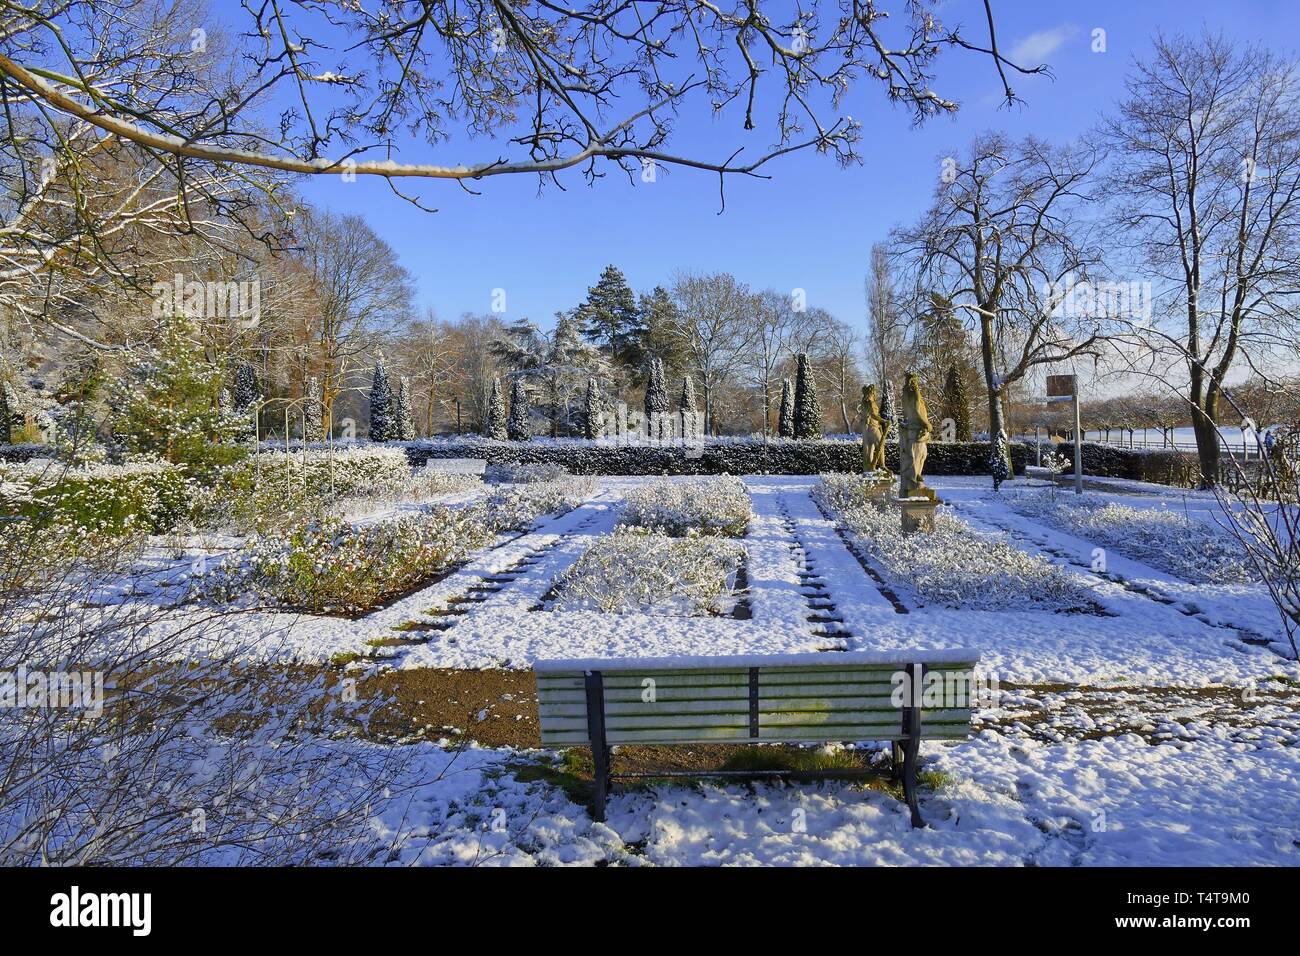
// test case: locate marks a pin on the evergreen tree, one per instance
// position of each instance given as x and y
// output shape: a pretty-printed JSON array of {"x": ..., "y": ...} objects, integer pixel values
[
  {"x": 383, "y": 410},
  {"x": 593, "y": 412},
  {"x": 313, "y": 412},
  {"x": 495, "y": 426},
  {"x": 661, "y": 328},
  {"x": 244, "y": 401},
  {"x": 246, "y": 393},
  {"x": 807, "y": 410},
  {"x": 687, "y": 409},
  {"x": 405, "y": 422},
  {"x": 518, "y": 426},
  {"x": 1000, "y": 459},
  {"x": 785, "y": 420},
  {"x": 955, "y": 404},
  {"x": 656, "y": 397},
  {"x": 889, "y": 412},
  {"x": 168, "y": 402},
  {"x": 610, "y": 316}
]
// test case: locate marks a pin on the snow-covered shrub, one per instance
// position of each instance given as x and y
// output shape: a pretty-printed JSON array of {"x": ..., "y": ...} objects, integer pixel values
[
  {"x": 517, "y": 507},
  {"x": 139, "y": 496},
  {"x": 954, "y": 565},
  {"x": 1164, "y": 539},
  {"x": 633, "y": 570},
  {"x": 271, "y": 490},
  {"x": 324, "y": 564},
  {"x": 332, "y": 566},
  {"x": 710, "y": 506}
]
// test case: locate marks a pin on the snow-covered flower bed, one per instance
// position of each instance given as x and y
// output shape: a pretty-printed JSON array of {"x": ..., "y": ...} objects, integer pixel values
[
  {"x": 953, "y": 565},
  {"x": 330, "y": 566},
  {"x": 324, "y": 564},
  {"x": 633, "y": 570},
  {"x": 138, "y": 496},
  {"x": 517, "y": 507},
  {"x": 710, "y": 506},
  {"x": 1164, "y": 539}
]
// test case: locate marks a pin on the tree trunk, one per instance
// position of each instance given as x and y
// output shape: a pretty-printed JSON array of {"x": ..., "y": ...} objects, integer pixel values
[{"x": 1205, "y": 420}]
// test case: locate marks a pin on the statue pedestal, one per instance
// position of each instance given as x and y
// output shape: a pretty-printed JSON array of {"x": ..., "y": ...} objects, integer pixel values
[
  {"x": 918, "y": 512},
  {"x": 878, "y": 484}
]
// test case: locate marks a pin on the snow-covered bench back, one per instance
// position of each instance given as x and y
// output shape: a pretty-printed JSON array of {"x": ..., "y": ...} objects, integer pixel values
[{"x": 797, "y": 698}]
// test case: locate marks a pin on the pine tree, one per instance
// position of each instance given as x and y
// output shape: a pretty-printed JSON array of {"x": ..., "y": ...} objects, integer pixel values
[
  {"x": 889, "y": 412},
  {"x": 313, "y": 411},
  {"x": 495, "y": 426},
  {"x": 687, "y": 409},
  {"x": 168, "y": 402},
  {"x": 405, "y": 423},
  {"x": 785, "y": 420},
  {"x": 593, "y": 412},
  {"x": 383, "y": 411},
  {"x": 955, "y": 405},
  {"x": 518, "y": 426},
  {"x": 610, "y": 316},
  {"x": 807, "y": 410},
  {"x": 1000, "y": 459}
]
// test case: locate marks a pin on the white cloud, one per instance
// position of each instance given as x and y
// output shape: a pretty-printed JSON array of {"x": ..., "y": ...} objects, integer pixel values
[{"x": 1037, "y": 47}]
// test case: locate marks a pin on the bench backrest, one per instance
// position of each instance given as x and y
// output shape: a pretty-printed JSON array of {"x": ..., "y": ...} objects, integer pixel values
[
  {"x": 824, "y": 699},
  {"x": 458, "y": 466}
]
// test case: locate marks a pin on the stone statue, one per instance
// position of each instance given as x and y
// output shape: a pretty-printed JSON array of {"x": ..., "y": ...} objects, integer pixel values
[
  {"x": 912, "y": 438},
  {"x": 873, "y": 432}
]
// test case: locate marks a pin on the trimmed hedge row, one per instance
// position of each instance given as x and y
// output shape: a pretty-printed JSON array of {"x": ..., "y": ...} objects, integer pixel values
[
  {"x": 1181, "y": 469},
  {"x": 748, "y": 457},
  {"x": 17, "y": 454}
]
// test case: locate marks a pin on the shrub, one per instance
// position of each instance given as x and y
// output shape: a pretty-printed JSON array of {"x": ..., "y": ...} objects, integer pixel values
[
  {"x": 953, "y": 565},
  {"x": 330, "y": 566},
  {"x": 709, "y": 506},
  {"x": 518, "y": 507},
  {"x": 143, "y": 496},
  {"x": 643, "y": 571},
  {"x": 257, "y": 495},
  {"x": 323, "y": 564}
]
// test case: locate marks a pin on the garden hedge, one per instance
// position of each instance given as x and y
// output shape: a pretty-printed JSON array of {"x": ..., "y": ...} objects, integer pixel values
[
  {"x": 734, "y": 457},
  {"x": 1166, "y": 466}
]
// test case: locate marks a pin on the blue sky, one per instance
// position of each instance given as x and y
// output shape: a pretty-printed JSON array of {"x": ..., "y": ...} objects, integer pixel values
[{"x": 812, "y": 225}]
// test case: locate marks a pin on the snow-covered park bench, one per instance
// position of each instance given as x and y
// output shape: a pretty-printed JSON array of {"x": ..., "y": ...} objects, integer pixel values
[
  {"x": 457, "y": 466},
  {"x": 795, "y": 698}
]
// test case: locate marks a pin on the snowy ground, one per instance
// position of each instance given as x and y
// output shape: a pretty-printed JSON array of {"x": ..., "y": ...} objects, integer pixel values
[{"x": 1162, "y": 730}]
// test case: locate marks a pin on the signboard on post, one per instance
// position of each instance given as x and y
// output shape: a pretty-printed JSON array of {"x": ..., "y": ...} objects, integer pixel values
[{"x": 1065, "y": 388}]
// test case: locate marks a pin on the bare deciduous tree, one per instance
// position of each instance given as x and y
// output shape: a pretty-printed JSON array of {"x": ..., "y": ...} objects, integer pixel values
[{"x": 1208, "y": 174}]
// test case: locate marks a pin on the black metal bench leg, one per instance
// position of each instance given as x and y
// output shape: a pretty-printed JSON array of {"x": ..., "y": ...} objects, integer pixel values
[
  {"x": 911, "y": 751},
  {"x": 600, "y": 758},
  {"x": 912, "y": 742},
  {"x": 595, "y": 688}
]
